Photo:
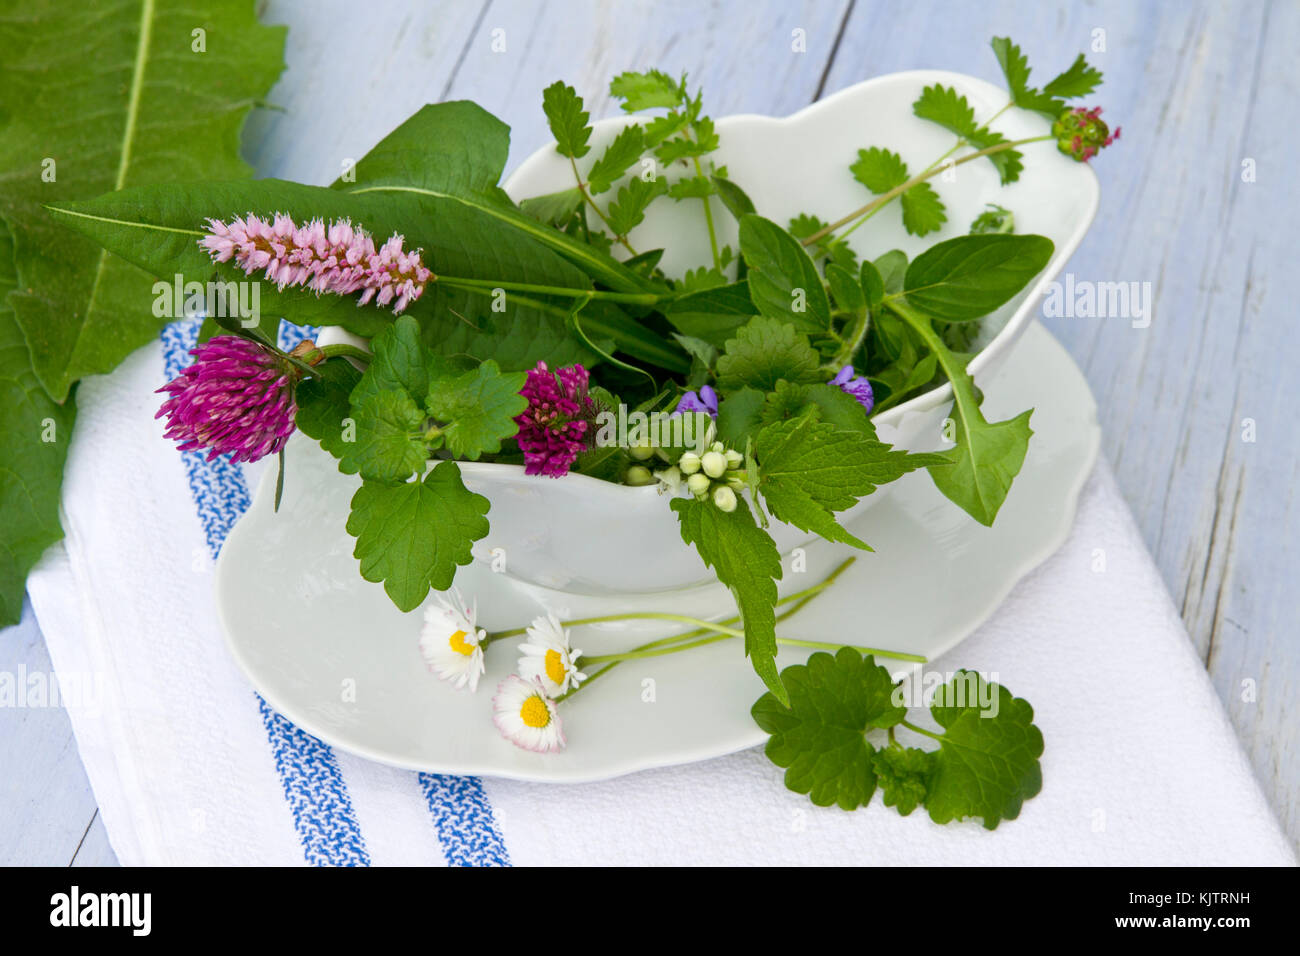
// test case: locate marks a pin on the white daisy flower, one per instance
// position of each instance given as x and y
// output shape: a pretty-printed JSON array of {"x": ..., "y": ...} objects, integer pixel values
[
  {"x": 548, "y": 659},
  {"x": 526, "y": 716},
  {"x": 450, "y": 642}
]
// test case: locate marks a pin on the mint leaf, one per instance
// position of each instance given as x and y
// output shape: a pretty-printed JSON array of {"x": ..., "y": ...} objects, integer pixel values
[
  {"x": 765, "y": 351},
  {"x": 945, "y": 106},
  {"x": 1079, "y": 80},
  {"x": 413, "y": 536},
  {"x": 567, "y": 119},
  {"x": 745, "y": 559},
  {"x": 478, "y": 409},
  {"x": 646, "y": 91},
  {"x": 966, "y": 278},
  {"x": 389, "y": 442},
  {"x": 812, "y": 469},
  {"x": 986, "y": 766},
  {"x": 819, "y": 735},
  {"x": 627, "y": 211},
  {"x": 783, "y": 281},
  {"x": 615, "y": 160},
  {"x": 901, "y": 773},
  {"x": 324, "y": 406}
]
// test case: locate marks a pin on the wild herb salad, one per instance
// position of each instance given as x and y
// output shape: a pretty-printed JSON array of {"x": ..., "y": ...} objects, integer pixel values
[{"x": 516, "y": 333}]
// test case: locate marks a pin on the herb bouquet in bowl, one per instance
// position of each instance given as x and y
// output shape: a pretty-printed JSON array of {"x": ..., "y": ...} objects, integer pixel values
[{"x": 528, "y": 375}]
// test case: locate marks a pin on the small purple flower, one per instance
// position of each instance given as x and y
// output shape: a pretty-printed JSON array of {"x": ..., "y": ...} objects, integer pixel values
[
  {"x": 706, "y": 400},
  {"x": 859, "y": 388},
  {"x": 236, "y": 399},
  {"x": 556, "y": 427}
]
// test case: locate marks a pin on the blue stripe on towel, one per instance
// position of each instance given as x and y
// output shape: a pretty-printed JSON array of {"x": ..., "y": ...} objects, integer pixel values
[
  {"x": 313, "y": 783},
  {"x": 463, "y": 817}
]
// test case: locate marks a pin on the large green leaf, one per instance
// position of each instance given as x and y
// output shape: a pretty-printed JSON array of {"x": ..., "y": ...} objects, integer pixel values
[
  {"x": 99, "y": 99},
  {"x": 966, "y": 278},
  {"x": 158, "y": 229},
  {"x": 34, "y": 433}
]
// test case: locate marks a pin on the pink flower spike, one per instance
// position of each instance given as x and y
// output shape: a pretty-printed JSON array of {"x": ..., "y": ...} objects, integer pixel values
[{"x": 339, "y": 258}]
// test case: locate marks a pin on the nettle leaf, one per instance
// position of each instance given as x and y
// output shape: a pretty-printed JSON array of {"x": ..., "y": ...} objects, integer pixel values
[
  {"x": 324, "y": 405},
  {"x": 945, "y": 106},
  {"x": 966, "y": 278},
  {"x": 986, "y": 766},
  {"x": 614, "y": 162},
  {"x": 902, "y": 773},
  {"x": 1079, "y": 80},
  {"x": 567, "y": 119},
  {"x": 783, "y": 281},
  {"x": 828, "y": 403},
  {"x": 413, "y": 536},
  {"x": 389, "y": 442},
  {"x": 765, "y": 351},
  {"x": 819, "y": 735},
  {"x": 745, "y": 559},
  {"x": 479, "y": 408},
  {"x": 627, "y": 211},
  {"x": 646, "y": 91},
  {"x": 811, "y": 469},
  {"x": 109, "y": 111}
]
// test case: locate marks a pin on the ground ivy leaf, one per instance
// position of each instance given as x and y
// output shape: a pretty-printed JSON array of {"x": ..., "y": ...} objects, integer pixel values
[
  {"x": 615, "y": 160},
  {"x": 324, "y": 406},
  {"x": 413, "y": 536},
  {"x": 113, "y": 113},
  {"x": 945, "y": 106},
  {"x": 901, "y": 773},
  {"x": 986, "y": 766},
  {"x": 764, "y": 351},
  {"x": 399, "y": 360},
  {"x": 478, "y": 409},
  {"x": 812, "y": 469},
  {"x": 783, "y": 281},
  {"x": 567, "y": 119},
  {"x": 819, "y": 736},
  {"x": 646, "y": 91},
  {"x": 745, "y": 559},
  {"x": 389, "y": 442}
]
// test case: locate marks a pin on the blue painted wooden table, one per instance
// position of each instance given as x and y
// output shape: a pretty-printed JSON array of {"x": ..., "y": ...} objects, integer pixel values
[{"x": 1197, "y": 406}]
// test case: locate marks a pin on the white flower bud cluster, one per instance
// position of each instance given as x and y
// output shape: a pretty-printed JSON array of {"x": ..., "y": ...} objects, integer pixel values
[{"x": 714, "y": 474}]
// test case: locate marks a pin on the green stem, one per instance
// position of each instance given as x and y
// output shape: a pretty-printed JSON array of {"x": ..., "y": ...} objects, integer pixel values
[
  {"x": 724, "y": 636},
  {"x": 633, "y": 298},
  {"x": 853, "y": 342},
  {"x": 708, "y": 219},
  {"x": 920, "y": 177},
  {"x": 920, "y": 730},
  {"x": 345, "y": 350},
  {"x": 582, "y": 188}
]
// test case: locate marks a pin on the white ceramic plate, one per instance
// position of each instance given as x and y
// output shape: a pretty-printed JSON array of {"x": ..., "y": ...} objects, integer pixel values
[{"x": 303, "y": 625}]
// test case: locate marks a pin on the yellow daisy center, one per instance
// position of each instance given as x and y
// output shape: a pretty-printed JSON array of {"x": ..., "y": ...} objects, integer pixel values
[
  {"x": 534, "y": 712},
  {"x": 555, "y": 669},
  {"x": 457, "y": 644}
]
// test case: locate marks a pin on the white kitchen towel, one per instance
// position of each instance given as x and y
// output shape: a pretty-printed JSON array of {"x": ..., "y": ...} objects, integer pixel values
[{"x": 190, "y": 766}]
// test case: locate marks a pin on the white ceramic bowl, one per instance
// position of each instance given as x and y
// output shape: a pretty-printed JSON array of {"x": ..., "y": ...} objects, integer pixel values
[{"x": 593, "y": 537}]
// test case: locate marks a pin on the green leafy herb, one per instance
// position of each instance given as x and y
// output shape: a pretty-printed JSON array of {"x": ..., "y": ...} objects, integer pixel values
[
  {"x": 412, "y": 536},
  {"x": 968, "y": 277},
  {"x": 765, "y": 351},
  {"x": 478, "y": 409},
  {"x": 783, "y": 282},
  {"x": 615, "y": 161},
  {"x": 880, "y": 171},
  {"x": 390, "y": 444},
  {"x": 567, "y": 119},
  {"x": 746, "y": 560}
]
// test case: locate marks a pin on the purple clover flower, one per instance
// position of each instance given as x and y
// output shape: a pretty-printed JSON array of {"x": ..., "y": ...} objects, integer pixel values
[
  {"x": 236, "y": 398},
  {"x": 556, "y": 426}
]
